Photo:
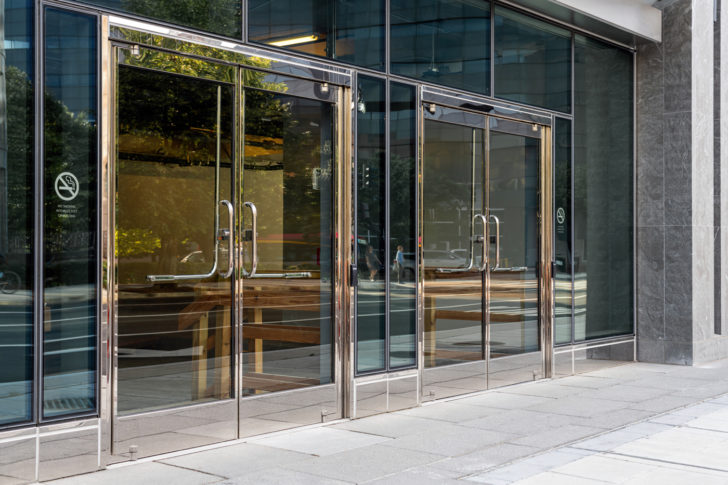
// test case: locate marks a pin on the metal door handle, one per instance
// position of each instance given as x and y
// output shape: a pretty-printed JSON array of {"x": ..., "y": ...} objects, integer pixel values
[
  {"x": 471, "y": 259},
  {"x": 254, "y": 240},
  {"x": 484, "y": 256},
  {"x": 231, "y": 221},
  {"x": 298, "y": 274},
  {"x": 154, "y": 278},
  {"x": 497, "y": 241}
]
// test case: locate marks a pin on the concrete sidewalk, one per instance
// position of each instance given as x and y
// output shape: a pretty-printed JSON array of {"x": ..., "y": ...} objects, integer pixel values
[{"x": 634, "y": 423}]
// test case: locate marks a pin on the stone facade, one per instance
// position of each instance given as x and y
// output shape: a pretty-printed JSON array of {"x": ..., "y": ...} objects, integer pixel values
[{"x": 676, "y": 228}]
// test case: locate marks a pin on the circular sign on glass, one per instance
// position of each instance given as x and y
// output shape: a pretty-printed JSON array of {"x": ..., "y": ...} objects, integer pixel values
[
  {"x": 67, "y": 186},
  {"x": 560, "y": 215}
]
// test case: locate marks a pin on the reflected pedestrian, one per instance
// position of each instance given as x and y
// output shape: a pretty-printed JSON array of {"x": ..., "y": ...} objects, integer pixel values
[{"x": 373, "y": 262}]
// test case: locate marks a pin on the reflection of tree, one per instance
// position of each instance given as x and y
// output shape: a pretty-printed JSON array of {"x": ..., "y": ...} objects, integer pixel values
[
  {"x": 19, "y": 215},
  {"x": 219, "y": 16},
  {"x": 70, "y": 146}
]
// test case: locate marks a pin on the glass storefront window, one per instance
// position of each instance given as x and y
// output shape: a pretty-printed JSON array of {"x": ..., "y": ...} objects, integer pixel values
[
  {"x": 371, "y": 223},
  {"x": 402, "y": 225},
  {"x": 70, "y": 166},
  {"x": 562, "y": 232},
  {"x": 16, "y": 213},
  {"x": 442, "y": 41},
  {"x": 603, "y": 185},
  {"x": 223, "y": 17},
  {"x": 532, "y": 61},
  {"x": 347, "y": 31}
]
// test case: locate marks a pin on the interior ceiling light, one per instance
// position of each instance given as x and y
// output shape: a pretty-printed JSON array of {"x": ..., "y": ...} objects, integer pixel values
[{"x": 295, "y": 40}]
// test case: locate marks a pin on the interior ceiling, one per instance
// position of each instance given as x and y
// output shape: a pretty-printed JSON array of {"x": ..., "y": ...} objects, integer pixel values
[{"x": 580, "y": 20}]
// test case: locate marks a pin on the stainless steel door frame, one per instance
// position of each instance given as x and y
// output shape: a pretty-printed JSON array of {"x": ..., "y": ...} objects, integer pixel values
[
  {"x": 519, "y": 121},
  {"x": 279, "y": 410},
  {"x": 118, "y": 31},
  {"x": 155, "y": 432}
]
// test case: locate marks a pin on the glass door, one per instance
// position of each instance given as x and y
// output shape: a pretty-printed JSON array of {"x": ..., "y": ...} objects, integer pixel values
[
  {"x": 454, "y": 242},
  {"x": 486, "y": 283},
  {"x": 514, "y": 297},
  {"x": 175, "y": 144},
  {"x": 288, "y": 204}
]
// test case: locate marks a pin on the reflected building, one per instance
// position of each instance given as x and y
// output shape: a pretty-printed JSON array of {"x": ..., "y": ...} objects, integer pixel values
[{"x": 220, "y": 218}]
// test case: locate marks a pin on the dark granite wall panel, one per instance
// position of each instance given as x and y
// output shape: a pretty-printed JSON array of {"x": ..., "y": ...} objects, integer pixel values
[{"x": 664, "y": 192}]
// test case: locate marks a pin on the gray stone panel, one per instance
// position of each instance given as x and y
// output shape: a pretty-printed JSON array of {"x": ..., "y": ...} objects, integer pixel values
[{"x": 677, "y": 42}]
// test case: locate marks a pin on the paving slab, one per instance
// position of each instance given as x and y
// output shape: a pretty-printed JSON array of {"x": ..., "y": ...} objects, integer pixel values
[
  {"x": 234, "y": 461},
  {"x": 151, "y": 473},
  {"x": 321, "y": 441},
  {"x": 366, "y": 464}
]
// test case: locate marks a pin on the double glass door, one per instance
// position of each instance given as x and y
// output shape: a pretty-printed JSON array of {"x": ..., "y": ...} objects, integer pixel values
[
  {"x": 482, "y": 251},
  {"x": 225, "y": 186}
]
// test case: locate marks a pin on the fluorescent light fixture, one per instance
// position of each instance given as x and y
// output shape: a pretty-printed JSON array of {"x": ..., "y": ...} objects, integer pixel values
[{"x": 294, "y": 40}]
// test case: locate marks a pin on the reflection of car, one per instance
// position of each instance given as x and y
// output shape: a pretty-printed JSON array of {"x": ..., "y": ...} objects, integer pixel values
[{"x": 438, "y": 258}]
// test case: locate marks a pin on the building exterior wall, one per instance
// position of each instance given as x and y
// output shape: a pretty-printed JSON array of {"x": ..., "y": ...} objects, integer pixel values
[
  {"x": 677, "y": 232},
  {"x": 532, "y": 72}
]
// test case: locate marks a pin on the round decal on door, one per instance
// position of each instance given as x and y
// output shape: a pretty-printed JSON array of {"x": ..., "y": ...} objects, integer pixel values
[
  {"x": 560, "y": 215},
  {"x": 67, "y": 186}
]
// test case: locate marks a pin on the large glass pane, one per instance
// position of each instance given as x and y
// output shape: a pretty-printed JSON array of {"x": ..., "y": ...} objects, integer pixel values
[
  {"x": 402, "y": 225},
  {"x": 288, "y": 304},
  {"x": 70, "y": 269},
  {"x": 371, "y": 223},
  {"x": 222, "y": 17},
  {"x": 16, "y": 212},
  {"x": 514, "y": 284},
  {"x": 532, "y": 61},
  {"x": 442, "y": 41},
  {"x": 562, "y": 232},
  {"x": 453, "y": 174},
  {"x": 173, "y": 167},
  {"x": 346, "y": 30},
  {"x": 603, "y": 203}
]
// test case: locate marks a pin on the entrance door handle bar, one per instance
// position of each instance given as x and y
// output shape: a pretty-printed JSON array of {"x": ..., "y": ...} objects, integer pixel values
[
  {"x": 231, "y": 252},
  {"x": 484, "y": 254},
  {"x": 154, "y": 278},
  {"x": 497, "y": 241},
  {"x": 254, "y": 240}
]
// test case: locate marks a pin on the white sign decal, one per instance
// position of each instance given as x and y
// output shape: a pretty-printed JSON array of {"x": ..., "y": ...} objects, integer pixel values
[
  {"x": 67, "y": 186},
  {"x": 560, "y": 215}
]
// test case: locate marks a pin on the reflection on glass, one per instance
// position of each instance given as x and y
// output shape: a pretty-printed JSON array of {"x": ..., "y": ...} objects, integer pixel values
[
  {"x": 562, "y": 232},
  {"x": 513, "y": 184},
  {"x": 69, "y": 320},
  {"x": 288, "y": 175},
  {"x": 442, "y": 41},
  {"x": 403, "y": 226},
  {"x": 370, "y": 247},
  {"x": 347, "y": 31},
  {"x": 603, "y": 205},
  {"x": 453, "y": 172},
  {"x": 532, "y": 61},
  {"x": 16, "y": 214},
  {"x": 222, "y": 17},
  {"x": 173, "y": 167}
]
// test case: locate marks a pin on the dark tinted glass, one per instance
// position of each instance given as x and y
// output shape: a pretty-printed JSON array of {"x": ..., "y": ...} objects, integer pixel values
[
  {"x": 603, "y": 205},
  {"x": 532, "y": 61},
  {"x": 16, "y": 214},
  {"x": 442, "y": 41},
  {"x": 69, "y": 323},
  {"x": 402, "y": 225},
  {"x": 562, "y": 231},
  {"x": 288, "y": 306},
  {"x": 371, "y": 223},
  {"x": 173, "y": 168},
  {"x": 345, "y": 30},
  {"x": 222, "y": 17}
]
